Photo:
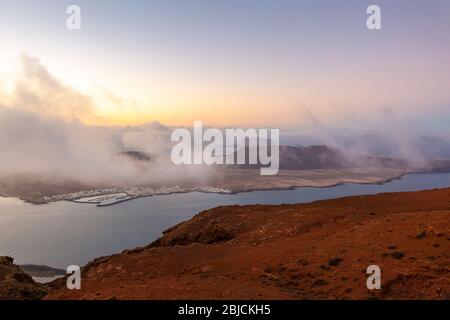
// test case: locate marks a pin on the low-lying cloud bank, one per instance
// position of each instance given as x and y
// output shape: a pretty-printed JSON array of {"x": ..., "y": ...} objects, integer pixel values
[{"x": 42, "y": 135}]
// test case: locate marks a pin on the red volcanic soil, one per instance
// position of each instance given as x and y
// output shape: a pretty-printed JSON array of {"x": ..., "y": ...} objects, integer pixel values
[
  {"x": 319, "y": 250},
  {"x": 16, "y": 284}
]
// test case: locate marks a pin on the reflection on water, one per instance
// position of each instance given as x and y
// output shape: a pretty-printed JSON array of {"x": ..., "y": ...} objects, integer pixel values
[{"x": 64, "y": 233}]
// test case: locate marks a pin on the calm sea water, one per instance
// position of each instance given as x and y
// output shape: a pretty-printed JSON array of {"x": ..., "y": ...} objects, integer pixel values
[{"x": 64, "y": 233}]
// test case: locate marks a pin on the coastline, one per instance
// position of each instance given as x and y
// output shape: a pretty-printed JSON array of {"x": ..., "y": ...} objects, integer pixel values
[
  {"x": 230, "y": 190},
  {"x": 399, "y": 214}
]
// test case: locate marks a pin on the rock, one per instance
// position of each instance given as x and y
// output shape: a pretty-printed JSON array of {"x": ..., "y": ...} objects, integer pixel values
[
  {"x": 421, "y": 235},
  {"x": 397, "y": 255},
  {"x": 303, "y": 262},
  {"x": 17, "y": 285},
  {"x": 335, "y": 262}
]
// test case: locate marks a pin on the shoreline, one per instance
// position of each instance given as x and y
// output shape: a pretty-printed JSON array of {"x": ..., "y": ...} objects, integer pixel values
[
  {"x": 381, "y": 181},
  {"x": 231, "y": 191}
]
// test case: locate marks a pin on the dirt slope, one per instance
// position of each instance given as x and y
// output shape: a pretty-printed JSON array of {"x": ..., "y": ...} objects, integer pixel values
[
  {"x": 16, "y": 285},
  {"x": 313, "y": 251}
]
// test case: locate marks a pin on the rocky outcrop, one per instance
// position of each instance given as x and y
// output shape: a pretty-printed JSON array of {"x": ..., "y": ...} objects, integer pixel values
[{"x": 17, "y": 285}]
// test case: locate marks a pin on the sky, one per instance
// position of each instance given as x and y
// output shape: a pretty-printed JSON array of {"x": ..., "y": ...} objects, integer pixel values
[{"x": 239, "y": 62}]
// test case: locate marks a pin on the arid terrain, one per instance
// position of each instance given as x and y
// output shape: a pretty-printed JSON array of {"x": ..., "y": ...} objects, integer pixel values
[
  {"x": 16, "y": 284},
  {"x": 319, "y": 250}
]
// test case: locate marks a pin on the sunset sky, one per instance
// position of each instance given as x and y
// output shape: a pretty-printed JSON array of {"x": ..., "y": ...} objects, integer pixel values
[{"x": 240, "y": 62}]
